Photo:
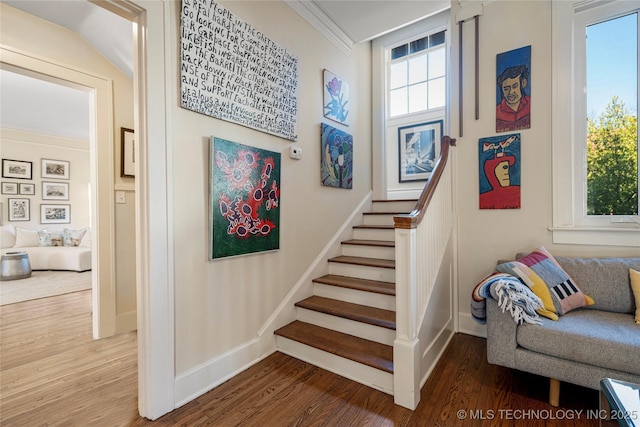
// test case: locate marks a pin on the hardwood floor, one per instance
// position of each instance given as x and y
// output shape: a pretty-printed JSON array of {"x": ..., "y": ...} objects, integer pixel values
[{"x": 52, "y": 373}]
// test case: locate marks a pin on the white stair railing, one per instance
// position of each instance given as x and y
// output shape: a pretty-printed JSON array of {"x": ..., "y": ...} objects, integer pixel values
[{"x": 421, "y": 240}]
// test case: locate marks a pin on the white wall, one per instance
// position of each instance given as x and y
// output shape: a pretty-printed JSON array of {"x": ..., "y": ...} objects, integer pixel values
[
  {"x": 221, "y": 305},
  {"x": 31, "y": 147},
  {"x": 488, "y": 235}
]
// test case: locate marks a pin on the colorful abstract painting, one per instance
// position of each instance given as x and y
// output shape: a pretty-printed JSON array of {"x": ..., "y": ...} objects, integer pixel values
[
  {"x": 336, "y": 98},
  {"x": 513, "y": 91},
  {"x": 336, "y": 158},
  {"x": 245, "y": 199},
  {"x": 500, "y": 172}
]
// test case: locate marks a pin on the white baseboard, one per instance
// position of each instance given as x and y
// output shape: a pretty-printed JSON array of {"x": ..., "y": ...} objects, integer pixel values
[
  {"x": 468, "y": 326},
  {"x": 126, "y": 322},
  {"x": 200, "y": 379}
]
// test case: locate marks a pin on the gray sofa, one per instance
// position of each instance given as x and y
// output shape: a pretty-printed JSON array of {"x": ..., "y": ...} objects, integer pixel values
[{"x": 584, "y": 345}]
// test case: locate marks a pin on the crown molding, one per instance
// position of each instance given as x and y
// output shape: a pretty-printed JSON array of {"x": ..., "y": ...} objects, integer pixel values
[{"x": 322, "y": 22}]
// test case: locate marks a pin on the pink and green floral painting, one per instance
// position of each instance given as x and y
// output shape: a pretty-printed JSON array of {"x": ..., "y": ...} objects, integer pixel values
[
  {"x": 336, "y": 98},
  {"x": 337, "y": 158},
  {"x": 245, "y": 199}
]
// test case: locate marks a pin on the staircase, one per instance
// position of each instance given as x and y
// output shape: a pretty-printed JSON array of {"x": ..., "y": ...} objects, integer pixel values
[{"x": 348, "y": 325}]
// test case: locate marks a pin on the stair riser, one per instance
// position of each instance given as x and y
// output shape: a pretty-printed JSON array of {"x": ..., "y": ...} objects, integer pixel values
[
  {"x": 399, "y": 206},
  {"x": 355, "y": 296},
  {"x": 378, "y": 219},
  {"x": 371, "y": 377},
  {"x": 363, "y": 272},
  {"x": 380, "y": 252},
  {"x": 373, "y": 234},
  {"x": 347, "y": 326}
]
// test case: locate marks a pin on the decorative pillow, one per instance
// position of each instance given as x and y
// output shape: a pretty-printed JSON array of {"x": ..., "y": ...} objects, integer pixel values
[
  {"x": 49, "y": 238},
  {"x": 7, "y": 235},
  {"x": 72, "y": 237},
  {"x": 26, "y": 238},
  {"x": 635, "y": 287},
  {"x": 543, "y": 275}
]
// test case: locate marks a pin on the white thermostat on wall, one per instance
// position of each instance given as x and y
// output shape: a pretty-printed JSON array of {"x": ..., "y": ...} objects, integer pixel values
[{"x": 295, "y": 152}]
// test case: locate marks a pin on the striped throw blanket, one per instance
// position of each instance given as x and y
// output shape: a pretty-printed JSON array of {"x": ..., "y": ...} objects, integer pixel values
[{"x": 511, "y": 294}]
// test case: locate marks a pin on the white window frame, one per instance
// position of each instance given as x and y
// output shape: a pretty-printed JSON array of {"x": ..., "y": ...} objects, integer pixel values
[
  {"x": 385, "y": 185},
  {"x": 407, "y": 58},
  {"x": 571, "y": 225}
]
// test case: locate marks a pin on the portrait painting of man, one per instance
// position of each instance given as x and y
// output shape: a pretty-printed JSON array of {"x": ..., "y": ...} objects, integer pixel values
[{"x": 513, "y": 91}]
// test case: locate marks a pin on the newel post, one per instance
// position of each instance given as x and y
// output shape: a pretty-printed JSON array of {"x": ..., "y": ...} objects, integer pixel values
[{"x": 406, "y": 347}]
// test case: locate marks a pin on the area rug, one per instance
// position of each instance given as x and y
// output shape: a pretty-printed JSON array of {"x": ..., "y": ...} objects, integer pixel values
[{"x": 43, "y": 284}]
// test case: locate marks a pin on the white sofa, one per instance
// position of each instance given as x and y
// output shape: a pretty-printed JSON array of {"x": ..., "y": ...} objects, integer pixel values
[{"x": 76, "y": 256}]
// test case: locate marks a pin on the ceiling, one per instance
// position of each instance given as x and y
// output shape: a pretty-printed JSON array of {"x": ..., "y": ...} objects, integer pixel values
[{"x": 344, "y": 22}]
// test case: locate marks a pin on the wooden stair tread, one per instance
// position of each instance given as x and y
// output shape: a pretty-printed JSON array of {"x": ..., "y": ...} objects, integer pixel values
[
  {"x": 385, "y": 213},
  {"x": 363, "y": 242},
  {"x": 370, "y": 262},
  {"x": 391, "y": 201},
  {"x": 376, "y": 286},
  {"x": 359, "y": 313},
  {"x": 359, "y": 350},
  {"x": 375, "y": 227}
]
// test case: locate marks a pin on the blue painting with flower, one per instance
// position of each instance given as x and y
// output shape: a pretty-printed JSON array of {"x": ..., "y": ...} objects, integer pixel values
[
  {"x": 337, "y": 158},
  {"x": 245, "y": 199},
  {"x": 336, "y": 98}
]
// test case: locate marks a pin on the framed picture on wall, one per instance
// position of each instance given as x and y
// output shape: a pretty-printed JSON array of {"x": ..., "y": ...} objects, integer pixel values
[
  {"x": 55, "y": 214},
  {"x": 16, "y": 169},
  {"x": 55, "y": 169},
  {"x": 55, "y": 190},
  {"x": 128, "y": 153},
  {"x": 418, "y": 149},
  {"x": 244, "y": 199},
  {"x": 9, "y": 188},
  {"x": 27, "y": 189},
  {"x": 19, "y": 209},
  {"x": 336, "y": 98}
]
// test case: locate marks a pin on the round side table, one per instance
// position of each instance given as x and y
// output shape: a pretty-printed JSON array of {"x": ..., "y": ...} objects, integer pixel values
[{"x": 14, "y": 265}]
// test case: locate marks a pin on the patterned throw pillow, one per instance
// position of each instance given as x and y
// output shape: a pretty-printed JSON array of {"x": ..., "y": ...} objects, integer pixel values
[
  {"x": 634, "y": 277},
  {"x": 72, "y": 237},
  {"x": 543, "y": 275},
  {"x": 49, "y": 238}
]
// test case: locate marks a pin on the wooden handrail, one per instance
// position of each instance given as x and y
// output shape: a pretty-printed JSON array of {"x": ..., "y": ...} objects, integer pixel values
[{"x": 412, "y": 219}]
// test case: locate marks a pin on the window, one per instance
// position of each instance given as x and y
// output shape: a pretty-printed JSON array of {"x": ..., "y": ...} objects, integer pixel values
[
  {"x": 612, "y": 116},
  {"x": 417, "y": 75},
  {"x": 595, "y": 112},
  {"x": 410, "y": 72}
]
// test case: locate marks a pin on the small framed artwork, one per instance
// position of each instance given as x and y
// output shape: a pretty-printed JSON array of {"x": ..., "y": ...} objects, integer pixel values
[
  {"x": 500, "y": 168},
  {"x": 9, "y": 188},
  {"x": 16, "y": 169},
  {"x": 55, "y": 190},
  {"x": 55, "y": 169},
  {"x": 513, "y": 93},
  {"x": 336, "y": 98},
  {"x": 128, "y": 153},
  {"x": 418, "y": 149},
  {"x": 27, "y": 189},
  {"x": 19, "y": 209},
  {"x": 55, "y": 214},
  {"x": 336, "y": 158}
]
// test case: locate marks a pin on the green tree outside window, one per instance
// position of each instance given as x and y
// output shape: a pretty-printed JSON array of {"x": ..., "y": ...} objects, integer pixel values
[{"x": 612, "y": 162}]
